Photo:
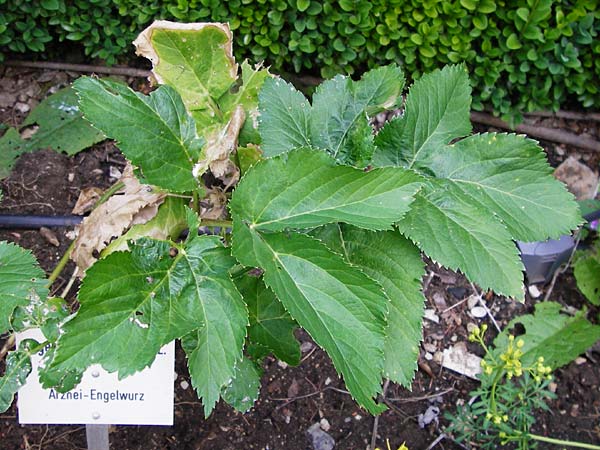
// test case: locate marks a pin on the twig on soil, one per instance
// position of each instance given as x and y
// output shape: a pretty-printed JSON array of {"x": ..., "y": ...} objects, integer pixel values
[
  {"x": 312, "y": 394},
  {"x": 421, "y": 398},
  {"x": 440, "y": 438},
  {"x": 70, "y": 283},
  {"x": 455, "y": 305},
  {"x": 428, "y": 281},
  {"x": 484, "y": 306},
  {"x": 127, "y": 71},
  {"x": 547, "y": 134},
  {"x": 386, "y": 384},
  {"x": 62, "y": 435},
  {"x": 10, "y": 342}
]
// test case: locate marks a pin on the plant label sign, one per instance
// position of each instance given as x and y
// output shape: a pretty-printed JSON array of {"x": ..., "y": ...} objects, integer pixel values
[{"x": 145, "y": 398}]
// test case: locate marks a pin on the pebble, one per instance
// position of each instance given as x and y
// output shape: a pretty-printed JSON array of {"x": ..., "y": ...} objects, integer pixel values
[
  {"x": 430, "y": 347},
  {"x": 428, "y": 356},
  {"x": 347, "y": 420},
  {"x": 358, "y": 417},
  {"x": 319, "y": 438},
  {"x": 306, "y": 347},
  {"x": 184, "y": 385},
  {"x": 478, "y": 312},
  {"x": 325, "y": 426},
  {"x": 472, "y": 301},
  {"x": 327, "y": 381},
  {"x": 430, "y": 314},
  {"x": 580, "y": 360},
  {"x": 22, "y": 107},
  {"x": 534, "y": 291},
  {"x": 282, "y": 364}
]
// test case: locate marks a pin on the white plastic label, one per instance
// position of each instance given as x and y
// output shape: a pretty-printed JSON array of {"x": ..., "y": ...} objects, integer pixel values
[{"x": 145, "y": 398}]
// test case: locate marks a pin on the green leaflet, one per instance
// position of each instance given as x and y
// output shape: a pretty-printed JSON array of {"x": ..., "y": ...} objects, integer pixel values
[
  {"x": 44, "y": 313},
  {"x": 18, "y": 367},
  {"x": 10, "y": 149},
  {"x": 145, "y": 298},
  {"x": 483, "y": 191},
  {"x": 508, "y": 175},
  {"x": 61, "y": 125},
  {"x": 459, "y": 235},
  {"x": 557, "y": 337},
  {"x": 587, "y": 273},
  {"x": 22, "y": 282},
  {"x": 307, "y": 189},
  {"x": 437, "y": 111},
  {"x": 394, "y": 262},
  {"x": 155, "y": 132},
  {"x": 338, "y": 114},
  {"x": 342, "y": 309},
  {"x": 270, "y": 324},
  {"x": 244, "y": 389},
  {"x": 283, "y": 123}
]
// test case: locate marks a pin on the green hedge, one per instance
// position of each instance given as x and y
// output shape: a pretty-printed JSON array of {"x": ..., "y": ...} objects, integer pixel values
[{"x": 523, "y": 56}]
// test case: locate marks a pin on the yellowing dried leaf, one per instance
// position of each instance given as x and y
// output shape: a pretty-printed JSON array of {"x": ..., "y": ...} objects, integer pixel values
[
  {"x": 87, "y": 199},
  {"x": 135, "y": 203},
  {"x": 220, "y": 146},
  {"x": 214, "y": 204}
]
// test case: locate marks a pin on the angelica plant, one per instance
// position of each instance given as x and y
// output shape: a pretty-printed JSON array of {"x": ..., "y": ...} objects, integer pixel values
[{"x": 335, "y": 217}]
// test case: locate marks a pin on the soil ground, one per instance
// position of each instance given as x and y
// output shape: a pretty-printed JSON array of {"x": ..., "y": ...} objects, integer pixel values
[{"x": 292, "y": 398}]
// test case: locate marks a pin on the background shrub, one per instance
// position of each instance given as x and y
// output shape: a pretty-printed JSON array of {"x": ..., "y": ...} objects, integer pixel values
[{"x": 523, "y": 56}]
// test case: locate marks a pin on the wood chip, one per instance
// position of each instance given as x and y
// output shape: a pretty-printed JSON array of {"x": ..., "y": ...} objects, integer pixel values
[{"x": 49, "y": 236}]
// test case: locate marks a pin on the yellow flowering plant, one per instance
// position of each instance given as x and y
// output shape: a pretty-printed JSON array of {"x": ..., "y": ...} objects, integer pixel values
[{"x": 502, "y": 409}]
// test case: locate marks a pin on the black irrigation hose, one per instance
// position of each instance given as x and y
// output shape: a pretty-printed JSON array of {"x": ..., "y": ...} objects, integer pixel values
[{"x": 33, "y": 221}]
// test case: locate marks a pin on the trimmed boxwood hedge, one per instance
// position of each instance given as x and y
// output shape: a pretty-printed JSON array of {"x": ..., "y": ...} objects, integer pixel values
[{"x": 523, "y": 56}]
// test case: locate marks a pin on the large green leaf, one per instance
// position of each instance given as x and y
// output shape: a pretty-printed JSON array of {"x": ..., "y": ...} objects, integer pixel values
[
  {"x": 244, "y": 388},
  {"x": 459, "y": 235},
  {"x": 483, "y": 191},
  {"x": 557, "y": 337},
  {"x": 18, "y": 368},
  {"x": 437, "y": 111},
  {"x": 270, "y": 324},
  {"x": 155, "y": 132},
  {"x": 396, "y": 264},
  {"x": 306, "y": 189},
  {"x": 194, "y": 59},
  {"x": 22, "y": 282},
  {"x": 508, "y": 175},
  {"x": 587, "y": 273},
  {"x": 337, "y": 117},
  {"x": 283, "y": 123},
  {"x": 342, "y": 309},
  {"x": 61, "y": 125},
  {"x": 146, "y": 298}
]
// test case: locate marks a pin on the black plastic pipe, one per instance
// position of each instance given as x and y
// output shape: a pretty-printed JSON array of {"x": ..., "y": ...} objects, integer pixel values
[{"x": 27, "y": 221}]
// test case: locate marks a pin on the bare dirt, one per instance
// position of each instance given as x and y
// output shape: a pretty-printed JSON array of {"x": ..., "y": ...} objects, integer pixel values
[{"x": 292, "y": 398}]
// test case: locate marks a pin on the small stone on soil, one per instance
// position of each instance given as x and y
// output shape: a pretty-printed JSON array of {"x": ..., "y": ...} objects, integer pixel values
[
  {"x": 478, "y": 312},
  {"x": 282, "y": 364},
  {"x": 320, "y": 439},
  {"x": 431, "y": 315},
  {"x": 306, "y": 346},
  {"x": 534, "y": 291},
  {"x": 184, "y": 385},
  {"x": 325, "y": 426}
]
